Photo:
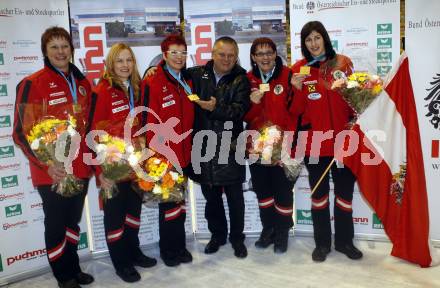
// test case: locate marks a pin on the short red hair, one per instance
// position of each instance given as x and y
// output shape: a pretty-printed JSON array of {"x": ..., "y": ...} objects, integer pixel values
[{"x": 172, "y": 39}]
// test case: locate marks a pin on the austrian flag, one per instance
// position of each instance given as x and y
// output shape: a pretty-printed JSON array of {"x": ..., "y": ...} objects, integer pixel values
[{"x": 389, "y": 167}]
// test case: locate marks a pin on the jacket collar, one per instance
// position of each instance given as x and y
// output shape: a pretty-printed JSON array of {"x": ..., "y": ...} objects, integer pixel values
[
  {"x": 276, "y": 72},
  {"x": 76, "y": 72}
]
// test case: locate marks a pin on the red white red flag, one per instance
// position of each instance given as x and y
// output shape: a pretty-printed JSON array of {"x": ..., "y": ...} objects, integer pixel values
[{"x": 389, "y": 167}]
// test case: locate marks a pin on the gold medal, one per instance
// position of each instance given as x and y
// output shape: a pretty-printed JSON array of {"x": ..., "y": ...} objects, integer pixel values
[
  {"x": 304, "y": 70},
  {"x": 264, "y": 87},
  {"x": 193, "y": 97},
  {"x": 77, "y": 108},
  {"x": 135, "y": 121}
]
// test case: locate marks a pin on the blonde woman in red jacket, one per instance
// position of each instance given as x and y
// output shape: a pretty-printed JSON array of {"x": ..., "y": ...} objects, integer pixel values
[{"x": 325, "y": 111}]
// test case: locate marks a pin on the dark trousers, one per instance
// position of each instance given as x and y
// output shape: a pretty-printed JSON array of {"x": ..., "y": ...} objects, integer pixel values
[
  {"x": 121, "y": 222},
  {"x": 172, "y": 217},
  {"x": 215, "y": 211},
  {"x": 61, "y": 231},
  {"x": 343, "y": 180},
  {"x": 274, "y": 194}
]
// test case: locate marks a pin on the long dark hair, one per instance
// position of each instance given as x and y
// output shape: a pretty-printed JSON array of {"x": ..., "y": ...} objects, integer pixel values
[{"x": 317, "y": 26}]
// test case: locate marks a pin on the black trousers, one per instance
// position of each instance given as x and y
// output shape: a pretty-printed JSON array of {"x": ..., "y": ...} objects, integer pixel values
[
  {"x": 61, "y": 230},
  {"x": 274, "y": 194},
  {"x": 121, "y": 222},
  {"x": 172, "y": 217},
  {"x": 215, "y": 211},
  {"x": 343, "y": 180}
]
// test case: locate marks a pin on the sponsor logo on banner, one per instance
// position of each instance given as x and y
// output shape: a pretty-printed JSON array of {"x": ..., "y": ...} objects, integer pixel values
[
  {"x": 25, "y": 59},
  {"x": 384, "y": 43},
  {"x": 19, "y": 224},
  {"x": 5, "y": 75},
  {"x": 384, "y": 57},
  {"x": 433, "y": 102},
  {"x": 357, "y": 45},
  {"x": 24, "y": 73},
  {"x": 2, "y": 59},
  {"x": 24, "y": 43},
  {"x": 3, "y": 43},
  {"x": 202, "y": 37},
  {"x": 3, "y": 90},
  {"x": 83, "y": 242},
  {"x": 5, "y": 121},
  {"x": 92, "y": 39},
  {"x": 335, "y": 44},
  {"x": 7, "y": 151},
  {"x": 1, "y": 263},
  {"x": 435, "y": 148},
  {"x": 310, "y": 6},
  {"x": 357, "y": 30},
  {"x": 37, "y": 206},
  {"x": 384, "y": 29},
  {"x": 11, "y": 196},
  {"x": 383, "y": 70},
  {"x": 28, "y": 255},
  {"x": 13, "y": 210},
  {"x": 377, "y": 224},
  {"x": 361, "y": 220},
  {"x": 304, "y": 217},
  {"x": 6, "y": 107},
  {"x": 13, "y": 167},
  {"x": 9, "y": 181}
]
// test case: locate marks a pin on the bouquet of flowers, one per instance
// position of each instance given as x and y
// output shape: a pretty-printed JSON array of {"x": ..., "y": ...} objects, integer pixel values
[
  {"x": 359, "y": 89},
  {"x": 269, "y": 146},
  {"x": 160, "y": 181},
  {"x": 118, "y": 159},
  {"x": 44, "y": 139}
]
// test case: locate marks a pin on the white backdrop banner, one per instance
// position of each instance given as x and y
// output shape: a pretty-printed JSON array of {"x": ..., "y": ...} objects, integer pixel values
[
  {"x": 22, "y": 231},
  {"x": 422, "y": 27},
  {"x": 367, "y": 32}
]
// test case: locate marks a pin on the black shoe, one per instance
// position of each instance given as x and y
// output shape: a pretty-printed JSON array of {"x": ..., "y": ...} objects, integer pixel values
[
  {"x": 84, "y": 278},
  {"x": 213, "y": 245},
  {"x": 144, "y": 261},
  {"x": 240, "y": 250},
  {"x": 349, "y": 250},
  {"x": 128, "y": 274},
  {"x": 72, "y": 283},
  {"x": 281, "y": 241},
  {"x": 266, "y": 238},
  {"x": 320, "y": 253},
  {"x": 184, "y": 256},
  {"x": 170, "y": 258}
]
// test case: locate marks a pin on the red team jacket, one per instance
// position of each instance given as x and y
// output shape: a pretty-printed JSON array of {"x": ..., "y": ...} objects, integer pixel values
[
  {"x": 46, "y": 93},
  {"x": 167, "y": 98},
  {"x": 321, "y": 107}
]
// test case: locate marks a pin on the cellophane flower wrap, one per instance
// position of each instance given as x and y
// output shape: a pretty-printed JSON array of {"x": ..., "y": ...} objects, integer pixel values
[
  {"x": 118, "y": 157},
  {"x": 159, "y": 181}
]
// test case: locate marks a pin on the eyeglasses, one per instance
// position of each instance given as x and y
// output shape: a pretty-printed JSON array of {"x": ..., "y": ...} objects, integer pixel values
[
  {"x": 262, "y": 54},
  {"x": 176, "y": 53}
]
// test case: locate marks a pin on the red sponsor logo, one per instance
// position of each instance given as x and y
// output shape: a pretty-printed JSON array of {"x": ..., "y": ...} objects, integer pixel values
[
  {"x": 14, "y": 166},
  {"x": 37, "y": 205},
  {"x": 7, "y": 226},
  {"x": 28, "y": 255},
  {"x": 18, "y": 195}
]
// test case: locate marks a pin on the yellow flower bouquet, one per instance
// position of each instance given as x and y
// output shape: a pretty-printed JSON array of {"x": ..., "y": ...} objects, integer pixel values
[{"x": 160, "y": 181}]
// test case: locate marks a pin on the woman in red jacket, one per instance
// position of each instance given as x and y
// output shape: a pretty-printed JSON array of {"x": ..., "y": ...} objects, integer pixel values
[
  {"x": 270, "y": 99},
  {"x": 167, "y": 94},
  {"x": 114, "y": 97},
  {"x": 328, "y": 114},
  {"x": 60, "y": 89}
]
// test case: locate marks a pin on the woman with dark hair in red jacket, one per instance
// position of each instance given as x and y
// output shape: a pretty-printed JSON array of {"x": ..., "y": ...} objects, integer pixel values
[
  {"x": 270, "y": 100},
  {"x": 327, "y": 114},
  {"x": 61, "y": 90}
]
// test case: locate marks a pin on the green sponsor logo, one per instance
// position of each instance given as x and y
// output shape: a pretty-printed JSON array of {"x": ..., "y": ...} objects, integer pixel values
[
  {"x": 13, "y": 210},
  {"x": 2, "y": 59},
  {"x": 5, "y": 121},
  {"x": 384, "y": 43},
  {"x": 383, "y": 70},
  {"x": 384, "y": 57},
  {"x": 335, "y": 44},
  {"x": 304, "y": 217},
  {"x": 9, "y": 181},
  {"x": 83, "y": 243},
  {"x": 384, "y": 29},
  {"x": 377, "y": 224},
  {"x": 1, "y": 263},
  {"x": 3, "y": 90},
  {"x": 7, "y": 151}
]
